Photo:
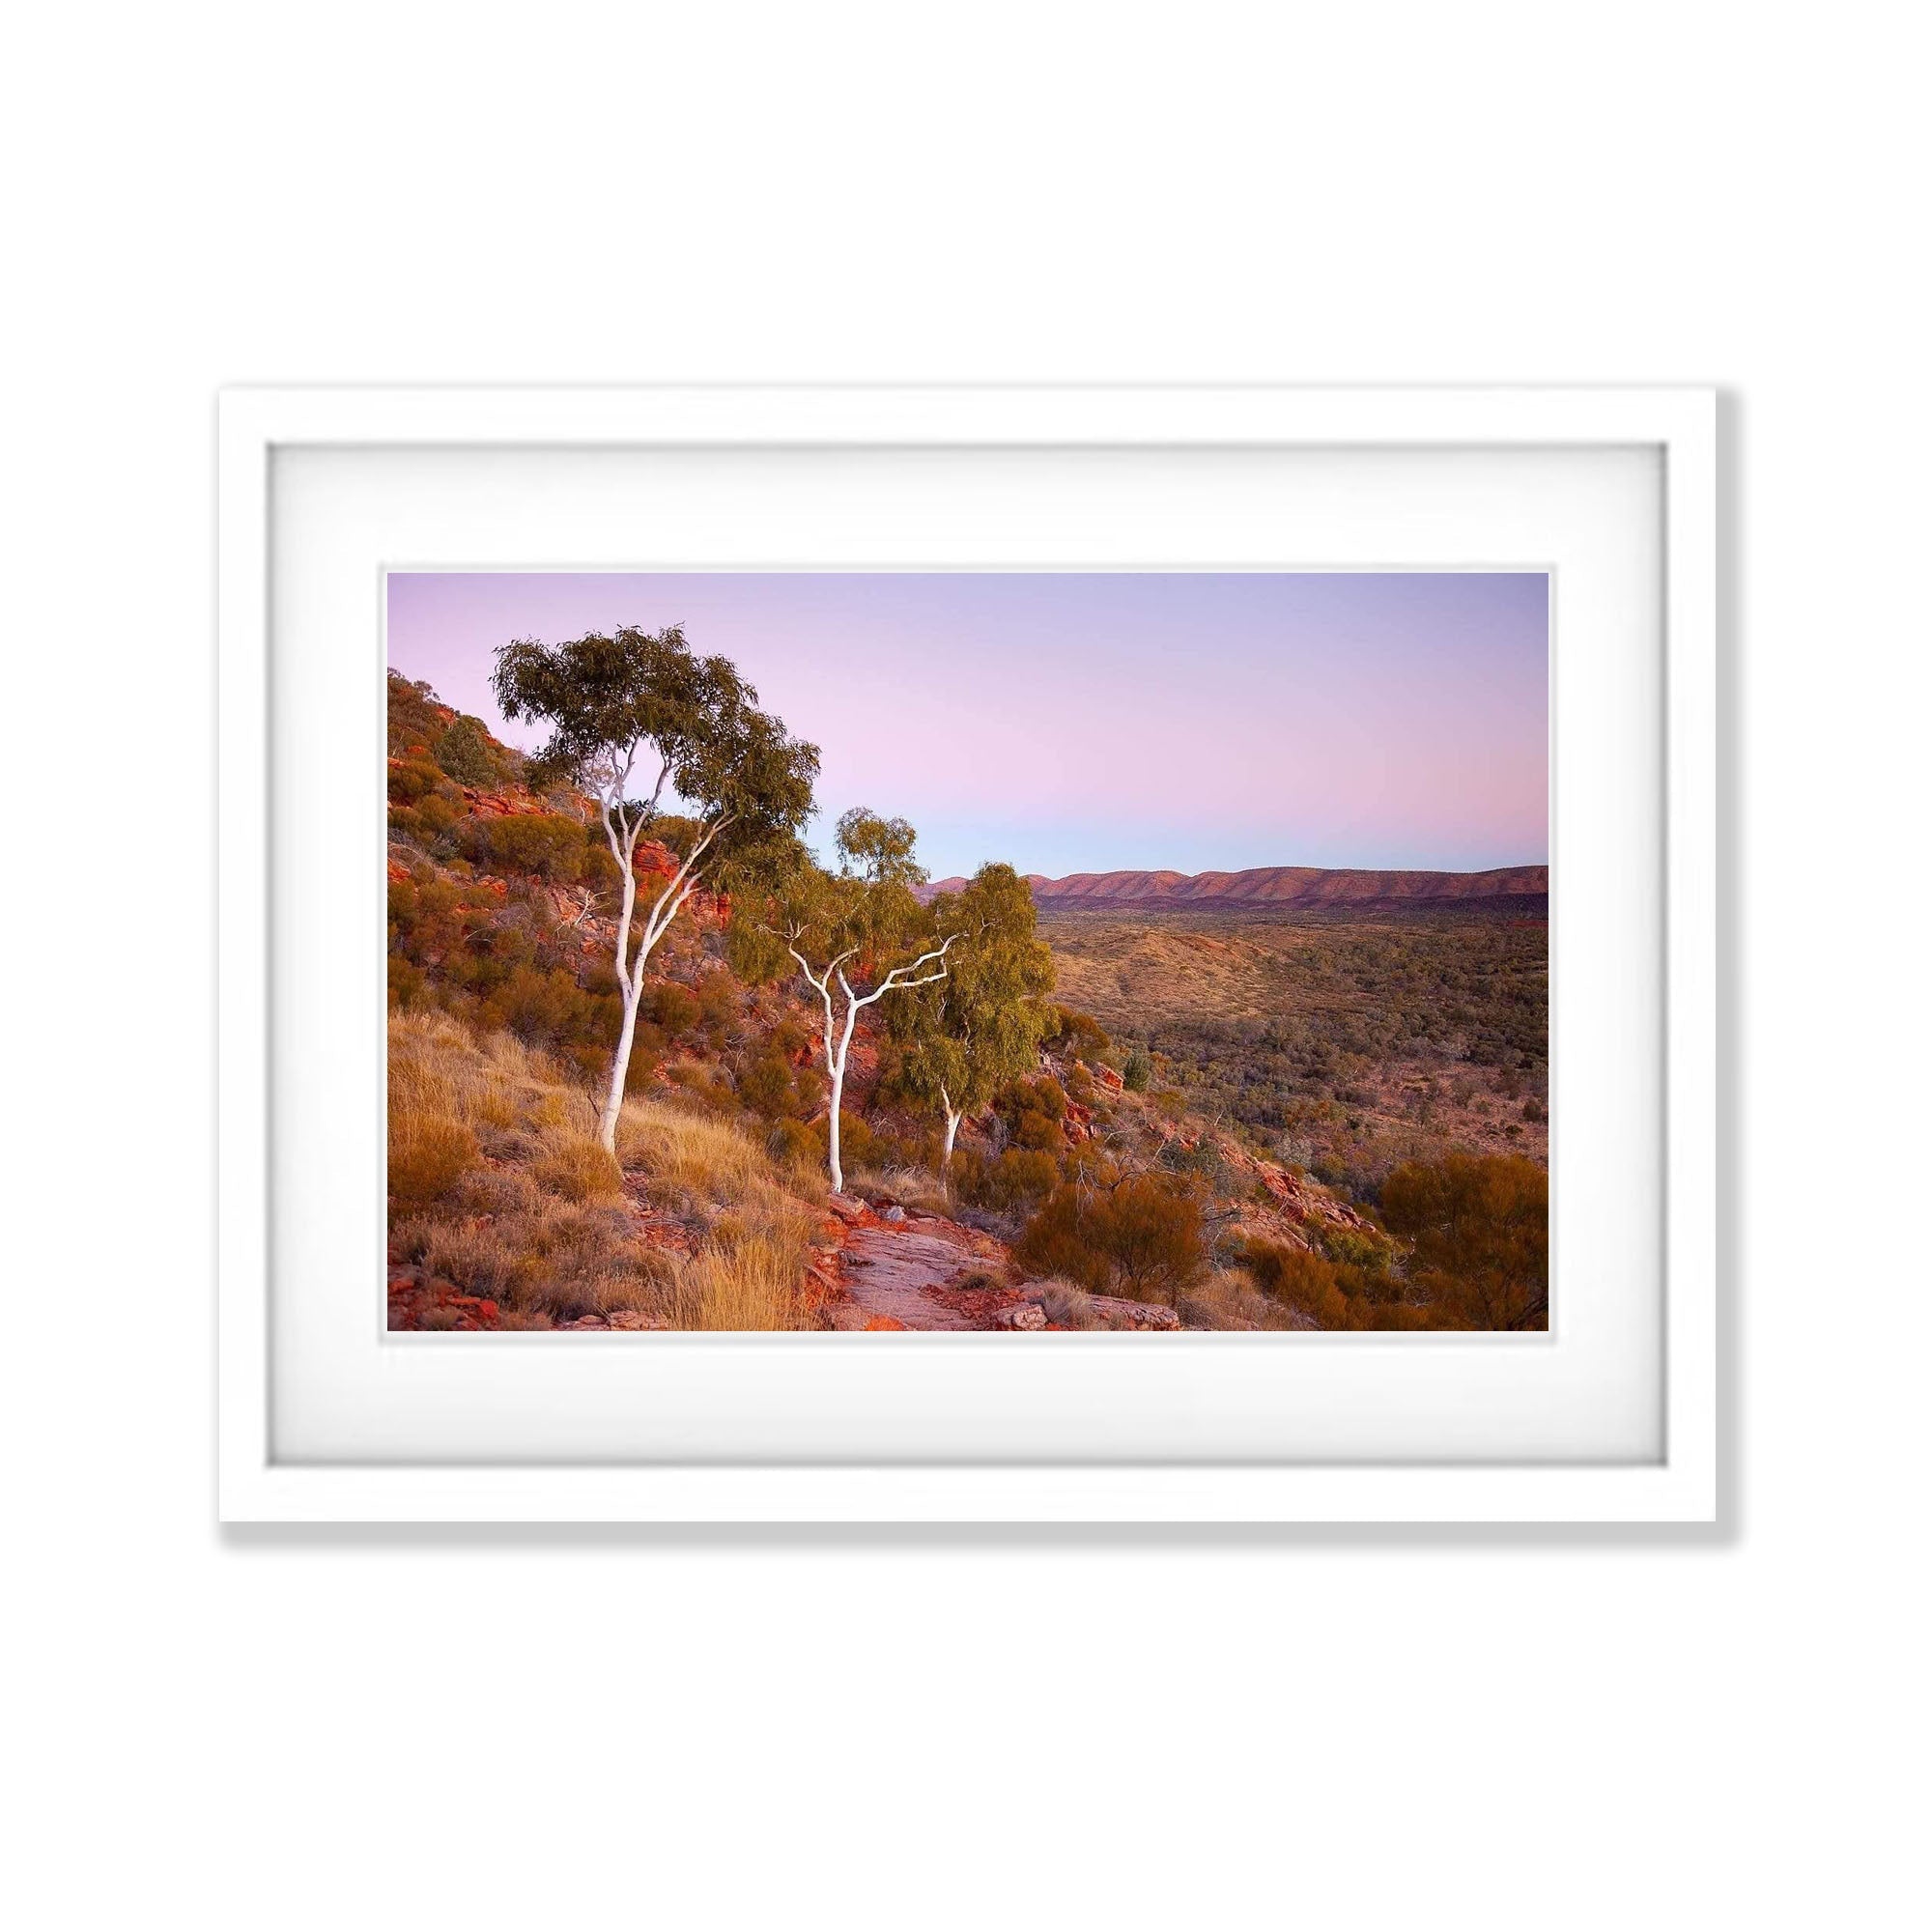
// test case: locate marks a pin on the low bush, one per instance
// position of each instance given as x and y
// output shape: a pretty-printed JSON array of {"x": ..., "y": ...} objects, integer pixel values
[
  {"x": 1008, "y": 1183},
  {"x": 1302, "y": 1282},
  {"x": 463, "y": 754},
  {"x": 1077, "y": 1036},
  {"x": 1479, "y": 1229},
  {"x": 670, "y": 1006},
  {"x": 1143, "y": 1237},
  {"x": 548, "y": 845},
  {"x": 411, "y": 780}
]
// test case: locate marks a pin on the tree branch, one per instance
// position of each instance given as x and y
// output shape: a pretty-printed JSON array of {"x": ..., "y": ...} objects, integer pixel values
[{"x": 892, "y": 982}]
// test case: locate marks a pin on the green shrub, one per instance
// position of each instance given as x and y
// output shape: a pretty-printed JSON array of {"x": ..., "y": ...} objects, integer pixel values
[
  {"x": 1138, "y": 1073},
  {"x": 434, "y": 814},
  {"x": 1043, "y": 1096},
  {"x": 1017, "y": 1179},
  {"x": 765, "y": 1086},
  {"x": 1355, "y": 1248},
  {"x": 407, "y": 985},
  {"x": 1078, "y": 1036},
  {"x": 1145, "y": 1238},
  {"x": 464, "y": 752},
  {"x": 718, "y": 1000},
  {"x": 1479, "y": 1226},
  {"x": 548, "y": 845},
  {"x": 1303, "y": 1282},
  {"x": 412, "y": 780},
  {"x": 672, "y": 1006},
  {"x": 793, "y": 1141}
]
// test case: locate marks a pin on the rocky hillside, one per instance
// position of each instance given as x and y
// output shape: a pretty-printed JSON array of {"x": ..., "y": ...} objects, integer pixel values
[{"x": 1284, "y": 886}]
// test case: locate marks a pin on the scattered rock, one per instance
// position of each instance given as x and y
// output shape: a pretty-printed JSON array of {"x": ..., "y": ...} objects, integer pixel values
[
  {"x": 894, "y": 1214},
  {"x": 1022, "y": 1315},
  {"x": 1117, "y": 1312}
]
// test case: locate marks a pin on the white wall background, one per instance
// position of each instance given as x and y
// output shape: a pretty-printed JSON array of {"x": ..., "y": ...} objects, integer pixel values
[{"x": 578, "y": 1730}]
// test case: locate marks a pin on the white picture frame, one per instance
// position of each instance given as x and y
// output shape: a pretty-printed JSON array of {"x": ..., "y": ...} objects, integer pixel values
[{"x": 1677, "y": 1483}]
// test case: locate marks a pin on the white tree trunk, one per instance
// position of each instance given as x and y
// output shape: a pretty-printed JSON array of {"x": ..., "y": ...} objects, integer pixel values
[
  {"x": 953, "y": 1116},
  {"x": 901, "y": 978},
  {"x": 835, "y": 1061},
  {"x": 620, "y": 1067},
  {"x": 621, "y": 834}
]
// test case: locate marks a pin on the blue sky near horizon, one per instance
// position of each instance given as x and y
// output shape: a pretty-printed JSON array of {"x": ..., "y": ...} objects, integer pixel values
[{"x": 1097, "y": 721}]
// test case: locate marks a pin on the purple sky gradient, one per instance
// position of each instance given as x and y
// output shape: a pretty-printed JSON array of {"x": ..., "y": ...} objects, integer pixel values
[{"x": 1098, "y": 723}]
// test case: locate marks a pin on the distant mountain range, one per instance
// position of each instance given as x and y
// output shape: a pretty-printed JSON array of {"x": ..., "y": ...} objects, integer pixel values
[{"x": 1279, "y": 886}]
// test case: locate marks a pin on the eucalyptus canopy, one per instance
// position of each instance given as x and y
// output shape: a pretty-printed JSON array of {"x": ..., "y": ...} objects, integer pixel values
[
  {"x": 637, "y": 720},
  {"x": 966, "y": 1037}
]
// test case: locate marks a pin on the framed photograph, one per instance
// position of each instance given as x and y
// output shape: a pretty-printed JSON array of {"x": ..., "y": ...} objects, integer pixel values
[{"x": 968, "y": 955}]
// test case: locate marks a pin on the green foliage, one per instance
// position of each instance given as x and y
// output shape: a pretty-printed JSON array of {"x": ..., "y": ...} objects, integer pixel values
[
  {"x": 408, "y": 985},
  {"x": 672, "y": 1006},
  {"x": 548, "y": 1008},
  {"x": 1355, "y": 1248},
  {"x": 435, "y": 815},
  {"x": 463, "y": 754},
  {"x": 1479, "y": 1228},
  {"x": 416, "y": 717},
  {"x": 1143, "y": 1236},
  {"x": 717, "y": 1003},
  {"x": 1009, "y": 1184},
  {"x": 963, "y": 1037},
  {"x": 858, "y": 1145},
  {"x": 1138, "y": 1073},
  {"x": 1343, "y": 1041},
  {"x": 1301, "y": 1280},
  {"x": 855, "y": 929},
  {"x": 878, "y": 849},
  {"x": 789, "y": 1141},
  {"x": 765, "y": 1086},
  {"x": 636, "y": 698},
  {"x": 1077, "y": 1036},
  {"x": 546, "y": 845},
  {"x": 772, "y": 1087},
  {"x": 1044, "y": 1097},
  {"x": 412, "y": 780}
]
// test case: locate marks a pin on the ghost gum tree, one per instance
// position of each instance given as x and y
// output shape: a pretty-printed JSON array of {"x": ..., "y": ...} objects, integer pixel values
[
  {"x": 640, "y": 709},
  {"x": 854, "y": 936},
  {"x": 966, "y": 1037}
]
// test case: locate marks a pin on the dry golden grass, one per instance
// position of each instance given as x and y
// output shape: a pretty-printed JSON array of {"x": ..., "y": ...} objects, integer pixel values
[
  {"x": 432, "y": 1145},
  {"x": 755, "y": 1283},
  {"x": 498, "y": 1184},
  {"x": 912, "y": 1188},
  {"x": 429, "y": 1153},
  {"x": 578, "y": 1168},
  {"x": 1228, "y": 1298}
]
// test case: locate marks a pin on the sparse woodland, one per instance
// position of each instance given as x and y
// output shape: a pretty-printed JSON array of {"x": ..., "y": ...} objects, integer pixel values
[{"x": 653, "y": 1065}]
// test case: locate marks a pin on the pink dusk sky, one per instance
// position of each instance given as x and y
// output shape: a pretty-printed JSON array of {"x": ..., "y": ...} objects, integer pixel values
[{"x": 1097, "y": 721}]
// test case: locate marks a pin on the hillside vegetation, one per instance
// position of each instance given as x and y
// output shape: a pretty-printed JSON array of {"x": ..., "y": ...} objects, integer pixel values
[
  {"x": 1109, "y": 1185},
  {"x": 1345, "y": 1041}
]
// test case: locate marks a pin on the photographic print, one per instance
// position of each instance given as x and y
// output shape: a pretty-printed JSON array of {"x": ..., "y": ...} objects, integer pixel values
[{"x": 965, "y": 950}]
